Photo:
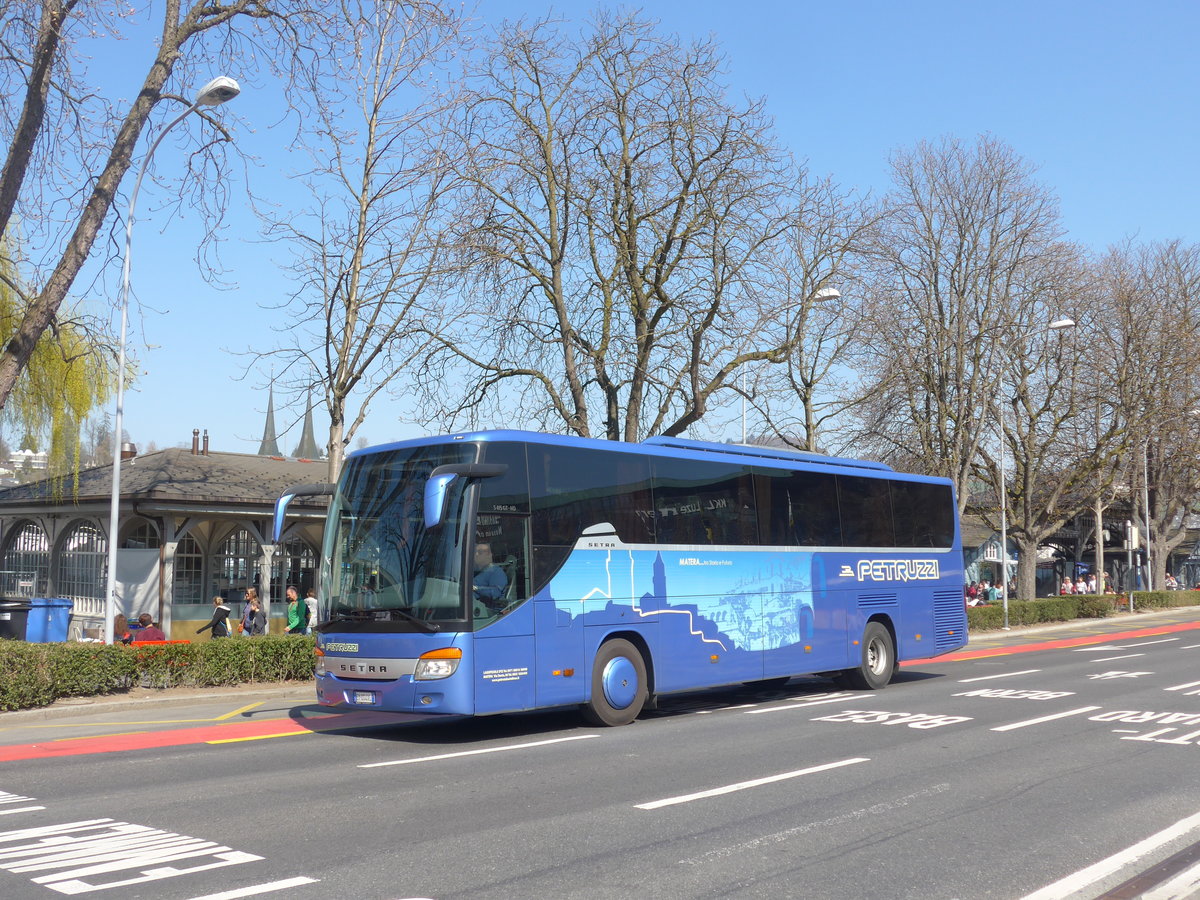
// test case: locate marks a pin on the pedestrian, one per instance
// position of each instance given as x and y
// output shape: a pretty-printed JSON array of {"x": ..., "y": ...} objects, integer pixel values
[
  {"x": 310, "y": 603},
  {"x": 1091, "y": 583},
  {"x": 256, "y": 619},
  {"x": 1067, "y": 586},
  {"x": 219, "y": 624},
  {"x": 121, "y": 629},
  {"x": 149, "y": 631},
  {"x": 250, "y": 596},
  {"x": 1080, "y": 586},
  {"x": 297, "y": 611}
]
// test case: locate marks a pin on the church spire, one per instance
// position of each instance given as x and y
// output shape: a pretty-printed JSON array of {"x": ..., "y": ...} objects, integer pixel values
[
  {"x": 269, "y": 446},
  {"x": 308, "y": 448}
]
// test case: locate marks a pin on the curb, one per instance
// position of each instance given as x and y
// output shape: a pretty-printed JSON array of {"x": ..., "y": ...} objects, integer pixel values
[{"x": 302, "y": 692}]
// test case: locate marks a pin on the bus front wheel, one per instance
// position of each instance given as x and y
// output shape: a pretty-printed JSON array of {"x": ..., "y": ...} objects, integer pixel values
[
  {"x": 618, "y": 684},
  {"x": 878, "y": 660}
]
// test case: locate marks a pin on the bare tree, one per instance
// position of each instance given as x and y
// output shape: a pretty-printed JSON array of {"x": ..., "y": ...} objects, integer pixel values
[
  {"x": 802, "y": 390},
  {"x": 617, "y": 213},
  {"x": 68, "y": 149},
  {"x": 954, "y": 266},
  {"x": 370, "y": 259},
  {"x": 1153, "y": 324}
]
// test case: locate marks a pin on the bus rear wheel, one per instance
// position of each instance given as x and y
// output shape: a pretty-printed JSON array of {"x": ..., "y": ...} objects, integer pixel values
[
  {"x": 618, "y": 684},
  {"x": 878, "y": 660}
]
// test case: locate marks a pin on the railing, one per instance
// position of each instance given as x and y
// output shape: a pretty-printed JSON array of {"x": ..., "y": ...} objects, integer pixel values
[{"x": 18, "y": 584}]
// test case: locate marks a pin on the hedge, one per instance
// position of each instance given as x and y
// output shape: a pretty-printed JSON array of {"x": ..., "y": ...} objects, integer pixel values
[
  {"x": 1074, "y": 606},
  {"x": 34, "y": 675}
]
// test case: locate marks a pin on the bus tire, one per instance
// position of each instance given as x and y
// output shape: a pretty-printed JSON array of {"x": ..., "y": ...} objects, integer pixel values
[
  {"x": 618, "y": 684},
  {"x": 878, "y": 661}
]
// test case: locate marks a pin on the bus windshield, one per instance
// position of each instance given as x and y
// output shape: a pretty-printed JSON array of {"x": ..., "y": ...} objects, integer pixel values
[{"x": 387, "y": 571}]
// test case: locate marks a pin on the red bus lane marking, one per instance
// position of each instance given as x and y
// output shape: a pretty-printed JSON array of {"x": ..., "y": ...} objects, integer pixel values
[
  {"x": 1054, "y": 645},
  {"x": 182, "y": 736}
]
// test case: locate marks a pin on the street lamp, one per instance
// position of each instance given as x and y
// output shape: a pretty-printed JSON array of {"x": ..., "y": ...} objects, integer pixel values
[
  {"x": 822, "y": 295},
  {"x": 220, "y": 90}
]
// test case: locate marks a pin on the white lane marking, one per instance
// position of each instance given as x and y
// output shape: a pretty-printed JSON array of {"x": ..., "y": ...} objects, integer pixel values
[
  {"x": 1184, "y": 885},
  {"x": 1094, "y": 647},
  {"x": 259, "y": 889},
  {"x": 20, "y": 809},
  {"x": 1001, "y": 675},
  {"x": 746, "y": 785},
  {"x": 835, "y": 698},
  {"x": 1111, "y": 658},
  {"x": 1077, "y": 881},
  {"x": 1191, "y": 647},
  {"x": 1146, "y": 643},
  {"x": 1041, "y": 719},
  {"x": 421, "y": 759},
  {"x": 1183, "y": 687},
  {"x": 779, "y": 837}
]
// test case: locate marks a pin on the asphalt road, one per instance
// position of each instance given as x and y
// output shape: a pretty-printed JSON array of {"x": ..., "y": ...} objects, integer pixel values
[{"x": 1060, "y": 763}]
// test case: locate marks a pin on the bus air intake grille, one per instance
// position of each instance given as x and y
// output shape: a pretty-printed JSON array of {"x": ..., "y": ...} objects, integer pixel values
[
  {"x": 949, "y": 619},
  {"x": 870, "y": 603}
]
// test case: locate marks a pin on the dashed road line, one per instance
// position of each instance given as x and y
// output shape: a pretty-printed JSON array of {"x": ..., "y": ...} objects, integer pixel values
[
  {"x": 1001, "y": 675},
  {"x": 1040, "y": 719},
  {"x": 1077, "y": 881},
  {"x": 260, "y": 889},
  {"x": 421, "y": 759},
  {"x": 746, "y": 785}
]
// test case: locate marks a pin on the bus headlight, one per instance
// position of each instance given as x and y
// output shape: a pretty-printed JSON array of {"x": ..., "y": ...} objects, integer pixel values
[{"x": 437, "y": 664}]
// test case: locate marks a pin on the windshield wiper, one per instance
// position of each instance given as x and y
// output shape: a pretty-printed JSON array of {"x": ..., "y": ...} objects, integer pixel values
[
  {"x": 409, "y": 617},
  {"x": 360, "y": 616}
]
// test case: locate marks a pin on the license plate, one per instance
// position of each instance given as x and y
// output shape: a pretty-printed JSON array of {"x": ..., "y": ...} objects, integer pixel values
[{"x": 364, "y": 698}]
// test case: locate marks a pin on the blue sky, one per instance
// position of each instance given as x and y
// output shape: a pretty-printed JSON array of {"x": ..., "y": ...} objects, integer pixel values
[{"x": 1101, "y": 97}]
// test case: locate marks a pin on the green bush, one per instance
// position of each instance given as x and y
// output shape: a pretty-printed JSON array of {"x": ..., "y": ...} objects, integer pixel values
[
  {"x": 1074, "y": 606},
  {"x": 34, "y": 675}
]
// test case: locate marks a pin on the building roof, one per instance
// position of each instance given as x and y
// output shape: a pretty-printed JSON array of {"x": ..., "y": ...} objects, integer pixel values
[{"x": 177, "y": 477}]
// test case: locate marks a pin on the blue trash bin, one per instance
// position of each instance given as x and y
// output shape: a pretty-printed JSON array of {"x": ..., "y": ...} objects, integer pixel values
[{"x": 48, "y": 619}]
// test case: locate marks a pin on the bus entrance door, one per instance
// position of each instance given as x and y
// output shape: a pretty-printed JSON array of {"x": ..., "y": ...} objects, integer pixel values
[{"x": 504, "y": 663}]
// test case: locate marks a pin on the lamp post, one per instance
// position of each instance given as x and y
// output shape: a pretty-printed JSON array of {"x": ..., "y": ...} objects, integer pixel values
[
  {"x": 220, "y": 90},
  {"x": 819, "y": 296}
]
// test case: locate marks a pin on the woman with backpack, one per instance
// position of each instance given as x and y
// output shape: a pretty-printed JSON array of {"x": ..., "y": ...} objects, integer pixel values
[{"x": 220, "y": 620}]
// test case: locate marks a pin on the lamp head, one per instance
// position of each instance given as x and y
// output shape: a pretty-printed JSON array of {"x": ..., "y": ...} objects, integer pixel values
[
  {"x": 825, "y": 294},
  {"x": 1060, "y": 324},
  {"x": 220, "y": 90}
]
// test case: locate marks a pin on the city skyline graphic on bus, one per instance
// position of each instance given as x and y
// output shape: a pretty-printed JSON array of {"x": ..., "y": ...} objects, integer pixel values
[{"x": 744, "y": 600}]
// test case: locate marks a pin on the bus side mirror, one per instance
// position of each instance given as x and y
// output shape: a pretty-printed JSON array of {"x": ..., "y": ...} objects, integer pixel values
[
  {"x": 300, "y": 490},
  {"x": 440, "y": 479}
]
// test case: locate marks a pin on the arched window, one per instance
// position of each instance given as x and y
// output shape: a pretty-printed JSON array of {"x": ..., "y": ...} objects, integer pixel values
[
  {"x": 294, "y": 563},
  {"x": 81, "y": 568},
  {"x": 189, "y": 571},
  {"x": 235, "y": 564},
  {"x": 140, "y": 535},
  {"x": 26, "y": 566}
]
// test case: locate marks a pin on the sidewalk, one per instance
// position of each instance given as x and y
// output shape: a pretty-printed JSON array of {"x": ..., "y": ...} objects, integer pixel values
[
  {"x": 1123, "y": 621},
  {"x": 299, "y": 692}
]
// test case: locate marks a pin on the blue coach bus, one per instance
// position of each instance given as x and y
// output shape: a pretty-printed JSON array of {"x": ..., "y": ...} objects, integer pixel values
[{"x": 497, "y": 571}]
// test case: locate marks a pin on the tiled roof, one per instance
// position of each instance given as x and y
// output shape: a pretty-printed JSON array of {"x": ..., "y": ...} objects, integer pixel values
[{"x": 177, "y": 475}]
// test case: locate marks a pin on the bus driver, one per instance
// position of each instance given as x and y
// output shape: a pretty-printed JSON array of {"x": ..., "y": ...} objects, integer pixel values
[{"x": 490, "y": 580}]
